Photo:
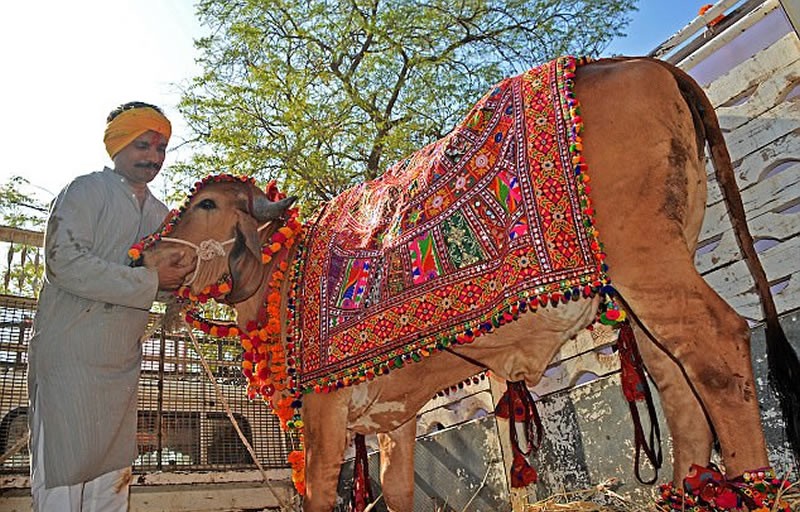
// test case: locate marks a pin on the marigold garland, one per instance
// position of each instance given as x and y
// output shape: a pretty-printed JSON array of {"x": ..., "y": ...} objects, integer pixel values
[
  {"x": 213, "y": 291},
  {"x": 297, "y": 459}
]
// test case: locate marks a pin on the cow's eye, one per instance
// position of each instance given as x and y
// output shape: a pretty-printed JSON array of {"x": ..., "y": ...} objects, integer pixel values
[{"x": 207, "y": 204}]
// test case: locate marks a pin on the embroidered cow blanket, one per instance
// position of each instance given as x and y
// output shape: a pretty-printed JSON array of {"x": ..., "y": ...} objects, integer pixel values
[{"x": 453, "y": 240}]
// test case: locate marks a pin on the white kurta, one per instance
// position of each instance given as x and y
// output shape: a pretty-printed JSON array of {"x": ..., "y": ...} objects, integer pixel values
[{"x": 85, "y": 354}]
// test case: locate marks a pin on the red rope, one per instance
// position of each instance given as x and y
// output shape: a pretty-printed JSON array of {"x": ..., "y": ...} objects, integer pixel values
[
  {"x": 636, "y": 389},
  {"x": 362, "y": 490}
]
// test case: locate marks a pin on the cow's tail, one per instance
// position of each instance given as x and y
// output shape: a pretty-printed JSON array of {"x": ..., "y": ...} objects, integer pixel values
[{"x": 784, "y": 367}]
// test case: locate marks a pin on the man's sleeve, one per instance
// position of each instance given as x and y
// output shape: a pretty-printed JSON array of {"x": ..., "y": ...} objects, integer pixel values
[{"x": 71, "y": 264}]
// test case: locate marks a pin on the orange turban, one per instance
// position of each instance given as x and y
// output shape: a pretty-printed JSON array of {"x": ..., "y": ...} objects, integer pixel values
[{"x": 123, "y": 129}]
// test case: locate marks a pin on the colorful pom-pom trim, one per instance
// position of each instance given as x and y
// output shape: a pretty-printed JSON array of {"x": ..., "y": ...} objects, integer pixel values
[{"x": 708, "y": 490}]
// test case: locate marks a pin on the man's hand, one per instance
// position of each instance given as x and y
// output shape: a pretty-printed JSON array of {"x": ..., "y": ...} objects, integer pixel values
[{"x": 172, "y": 269}]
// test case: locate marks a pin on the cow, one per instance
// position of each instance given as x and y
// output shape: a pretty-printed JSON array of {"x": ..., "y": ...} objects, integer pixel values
[{"x": 647, "y": 124}]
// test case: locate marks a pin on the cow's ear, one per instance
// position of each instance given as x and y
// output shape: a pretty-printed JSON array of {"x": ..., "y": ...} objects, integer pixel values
[
  {"x": 244, "y": 261},
  {"x": 247, "y": 230}
]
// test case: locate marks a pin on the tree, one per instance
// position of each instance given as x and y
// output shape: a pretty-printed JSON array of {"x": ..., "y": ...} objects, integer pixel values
[
  {"x": 20, "y": 209},
  {"x": 23, "y": 210},
  {"x": 323, "y": 94}
]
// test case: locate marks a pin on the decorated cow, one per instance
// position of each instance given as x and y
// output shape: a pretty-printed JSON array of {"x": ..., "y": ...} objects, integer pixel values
[{"x": 489, "y": 249}]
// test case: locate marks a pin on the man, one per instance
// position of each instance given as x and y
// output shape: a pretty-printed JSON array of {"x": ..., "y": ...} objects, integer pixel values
[{"x": 85, "y": 353}]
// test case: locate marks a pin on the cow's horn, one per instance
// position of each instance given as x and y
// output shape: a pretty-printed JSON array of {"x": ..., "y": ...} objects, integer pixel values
[{"x": 265, "y": 210}]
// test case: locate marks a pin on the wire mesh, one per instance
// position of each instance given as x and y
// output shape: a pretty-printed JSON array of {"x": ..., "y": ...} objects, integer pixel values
[
  {"x": 16, "y": 321},
  {"x": 182, "y": 423}
]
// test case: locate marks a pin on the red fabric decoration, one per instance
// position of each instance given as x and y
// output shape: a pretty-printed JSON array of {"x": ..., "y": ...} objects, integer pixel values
[
  {"x": 382, "y": 243},
  {"x": 633, "y": 380},
  {"x": 522, "y": 474},
  {"x": 509, "y": 402},
  {"x": 711, "y": 486},
  {"x": 362, "y": 490},
  {"x": 517, "y": 400},
  {"x": 707, "y": 488},
  {"x": 635, "y": 389}
]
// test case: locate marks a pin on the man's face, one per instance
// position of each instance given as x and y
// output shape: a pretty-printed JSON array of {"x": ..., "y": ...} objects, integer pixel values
[{"x": 140, "y": 161}]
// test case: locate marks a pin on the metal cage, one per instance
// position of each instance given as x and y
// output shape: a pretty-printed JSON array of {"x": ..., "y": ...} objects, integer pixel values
[{"x": 183, "y": 423}]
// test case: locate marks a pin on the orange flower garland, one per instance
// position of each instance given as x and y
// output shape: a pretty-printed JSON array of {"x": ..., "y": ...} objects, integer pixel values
[
  {"x": 135, "y": 251},
  {"x": 212, "y": 291},
  {"x": 297, "y": 459},
  {"x": 264, "y": 360}
]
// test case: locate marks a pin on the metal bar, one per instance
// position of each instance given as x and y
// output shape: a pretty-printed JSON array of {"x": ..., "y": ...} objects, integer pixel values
[
  {"x": 792, "y": 10},
  {"x": 12, "y": 301},
  {"x": 728, "y": 35},
  {"x": 21, "y": 236},
  {"x": 160, "y": 400},
  {"x": 710, "y": 34},
  {"x": 689, "y": 30}
]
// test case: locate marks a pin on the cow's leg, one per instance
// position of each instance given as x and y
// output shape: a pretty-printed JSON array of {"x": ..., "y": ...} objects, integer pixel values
[
  {"x": 691, "y": 433},
  {"x": 397, "y": 466},
  {"x": 325, "y": 418},
  {"x": 648, "y": 189},
  {"x": 711, "y": 343}
]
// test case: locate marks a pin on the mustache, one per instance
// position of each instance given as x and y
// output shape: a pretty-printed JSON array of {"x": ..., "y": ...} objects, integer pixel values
[{"x": 148, "y": 165}]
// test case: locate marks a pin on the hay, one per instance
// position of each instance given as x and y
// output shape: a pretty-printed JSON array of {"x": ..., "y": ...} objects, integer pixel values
[
  {"x": 589, "y": 500},
  {"x": 791, "y": 495}
]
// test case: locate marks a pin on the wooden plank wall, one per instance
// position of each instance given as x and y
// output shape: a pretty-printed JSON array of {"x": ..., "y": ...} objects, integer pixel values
[{"x": 759, "y": 110}]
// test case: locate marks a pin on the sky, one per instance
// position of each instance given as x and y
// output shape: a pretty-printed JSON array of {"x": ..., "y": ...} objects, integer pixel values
[{"x": 67, "y": 64}]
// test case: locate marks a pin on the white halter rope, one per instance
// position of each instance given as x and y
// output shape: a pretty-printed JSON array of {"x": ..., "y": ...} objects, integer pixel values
[{"x": 207, "y": 250}]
